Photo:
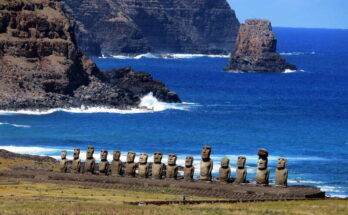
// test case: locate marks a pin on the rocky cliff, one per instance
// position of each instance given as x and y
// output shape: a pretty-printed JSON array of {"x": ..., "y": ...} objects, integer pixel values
[
  {"x": 116, "y": 27},
  {"x": 255, "y": 50},
  {"x": 41, "y": 66}
]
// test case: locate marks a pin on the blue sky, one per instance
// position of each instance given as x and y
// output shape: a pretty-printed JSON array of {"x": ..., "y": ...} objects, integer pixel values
[{"x": 295, "y": 13}]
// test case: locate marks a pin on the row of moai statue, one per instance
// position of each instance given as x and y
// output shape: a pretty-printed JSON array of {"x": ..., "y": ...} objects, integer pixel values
[{"x": 159, "y": 170}]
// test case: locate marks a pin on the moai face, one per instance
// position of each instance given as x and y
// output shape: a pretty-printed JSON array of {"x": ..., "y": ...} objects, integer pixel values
[
  {"x": 90, "y": 152},
  {"x": 262, "y": 164},
  {"x": 225, "y": 162},
  {"x": 281, "y": 163},
  {"x": 172, "y": 159},
  {"x": 76, "y": 154},
  {"x": 143, "y": 158},
  {"x": 130, "y": 157},
  {"x": 63, "y": 155},
  {"x": 157, "y": 157},
  {"x": 241, "y": 162},
  {"x": 104, "y": 155},
  {"x": 263, "y": 154},
  {"x": 206, "y": 152},
  {"x": 188, "y": 161},
  {"x": 117, "y": 155}
]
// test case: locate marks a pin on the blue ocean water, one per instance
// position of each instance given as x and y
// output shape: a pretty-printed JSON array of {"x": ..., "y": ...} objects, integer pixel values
[{"x": 302, "y": 116}]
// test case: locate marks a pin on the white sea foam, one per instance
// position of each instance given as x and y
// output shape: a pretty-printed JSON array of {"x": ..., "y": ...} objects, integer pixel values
[
  {"x": 15, "y": 125},
  {"x": 148, "y": 104},
  {"x": 164, "y": 56},
  {"x": 30, "y": 150},
  {"x": 292, "y": 71},
  {"x": 297, "y": 53}
]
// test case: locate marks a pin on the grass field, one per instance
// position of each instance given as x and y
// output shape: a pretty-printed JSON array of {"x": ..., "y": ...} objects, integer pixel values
[{"x": 24, "y": 197}]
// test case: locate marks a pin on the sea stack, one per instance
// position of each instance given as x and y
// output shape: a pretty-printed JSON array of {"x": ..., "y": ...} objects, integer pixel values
[
  {"x": 255, "y": 50},
  {"x": 41, "y": 66}
]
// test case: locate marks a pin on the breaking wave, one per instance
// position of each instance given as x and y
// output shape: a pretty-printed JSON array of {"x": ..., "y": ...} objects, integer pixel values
[
  {"x": 297, "y": 53},
  {"x": 15, "y": 125},
  {"x": 287, "y": 71},
  {"x": 148, "y": 104},
  {"x": 164, "y": 56}
]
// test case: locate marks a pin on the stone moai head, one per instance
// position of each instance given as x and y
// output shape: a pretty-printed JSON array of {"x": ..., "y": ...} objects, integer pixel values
[
  {"x": 157, "y": 158},
  {"x": 63, "y": 154},
  {"x": 172, "y": 159},
  {"x": 143, "y": 158},
  {"x": 90, "y": 152},
  {"x": 104, "y": 155},
  {"x": 241, "y": 162},
  {"x": 281, "y": 163},
  {"x": 76, "y": 154},
  {"x": 225, "y": 163},
  {"x": 206, "y": 152},
  {"x": 117, "y": 155},
  {"x": 262, "y": 164},
  {"x": 263, "y": 154},
  {"x": 189, "y": 161},
  {"x": 131, "y": 157}
]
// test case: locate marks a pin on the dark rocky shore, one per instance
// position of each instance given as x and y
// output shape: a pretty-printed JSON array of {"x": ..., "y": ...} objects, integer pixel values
[
  {"x": 41, "y": 66},
  {"x": 256, "y": 50},
  {"x": 115, "y": 27}
]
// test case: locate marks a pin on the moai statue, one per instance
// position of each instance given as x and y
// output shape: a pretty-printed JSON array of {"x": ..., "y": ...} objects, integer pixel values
[
  {"x": 76, "y": 163},
  {"x": 158, "y": 167},
  {"x": 116, "y": 165},
  {"x": 225, "y": 170},
  {"x": 206, "y": 165},
  {"x": 130, "y": 165},
  {"x": 143, "y": 167},
  {"x": 189, "y": 169},
  {"x": 104, "y": 163},
  {"x": 63, "y": 164},
  {"x": 241, "y": 171},
  {"x": 281, "y": 174},
  {"x": 90, "y": 161},
  {"x": 262, "y": 173},
  {"x": 172, "y": 168}
]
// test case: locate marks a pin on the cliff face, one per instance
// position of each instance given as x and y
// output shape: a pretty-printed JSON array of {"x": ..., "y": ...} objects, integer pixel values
[
  {"x": 256, "y": 48},
  {"x": 41, "y": 66},
  {"x": 159, "y": 26}
]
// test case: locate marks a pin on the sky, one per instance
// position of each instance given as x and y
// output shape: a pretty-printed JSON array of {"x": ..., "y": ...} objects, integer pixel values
[{"x": 295, "y": 13}]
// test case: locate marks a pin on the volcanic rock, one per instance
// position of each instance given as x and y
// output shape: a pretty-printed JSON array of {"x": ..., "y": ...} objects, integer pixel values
[
  {"x": 41, "y": 66},
  {"x": 113, "y": 27},
  {"x": 255, "y": 50}
]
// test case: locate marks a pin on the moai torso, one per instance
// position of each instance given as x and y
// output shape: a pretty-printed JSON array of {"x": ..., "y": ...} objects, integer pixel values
[
  {"x": 189, "y": 169},
  {"x": 76, "y": 163},
  {"x": 241, "y": 172},
  {"x": 116, "y": 165},
  {"x": 143, "y": 167},
  {"x": 130, "y": 165},
  {"x": 172, "y": 168},
  {"x": 225, "y": 170},
  {"x": 90, "y": 161},
  {"x": 158, "y": 167},
  {"x": 63, "y": 164},
  {"x": 262, "y": 173},
  {"x": 281, "y": 174},
  {"x": 206, "y": 165},
  {"x": 104, "y": 163}
]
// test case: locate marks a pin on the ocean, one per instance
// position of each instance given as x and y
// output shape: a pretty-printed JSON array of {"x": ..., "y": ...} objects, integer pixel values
[{"x": 302, "y": 115}]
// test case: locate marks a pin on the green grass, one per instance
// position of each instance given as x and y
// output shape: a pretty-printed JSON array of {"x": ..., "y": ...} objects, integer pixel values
[{"x": 24, "y": 197}]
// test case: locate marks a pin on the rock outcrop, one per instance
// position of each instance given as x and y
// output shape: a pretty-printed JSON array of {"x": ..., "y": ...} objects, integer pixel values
[
  {"x": 116, "y": 27},
  {"x": 41, "y": 66},
  {"x": 256, "y": 50}
]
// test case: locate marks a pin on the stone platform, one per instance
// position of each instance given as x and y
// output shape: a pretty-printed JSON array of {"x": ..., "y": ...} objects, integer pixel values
[{"x": 180, "y": 187}]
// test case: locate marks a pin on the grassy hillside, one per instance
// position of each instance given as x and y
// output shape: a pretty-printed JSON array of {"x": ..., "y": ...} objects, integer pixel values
[{"x": 24, "y": 197}]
